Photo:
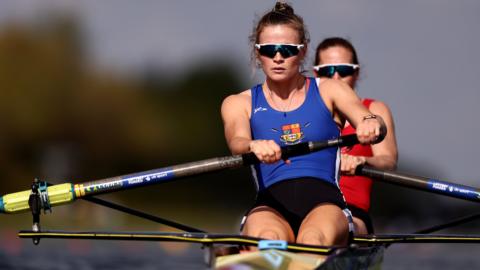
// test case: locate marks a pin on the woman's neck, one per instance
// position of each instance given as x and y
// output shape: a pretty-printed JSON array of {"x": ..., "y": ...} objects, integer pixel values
[{"x": 283, "y": 89}]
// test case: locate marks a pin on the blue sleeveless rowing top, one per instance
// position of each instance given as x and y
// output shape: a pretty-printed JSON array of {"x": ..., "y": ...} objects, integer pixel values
[{"x": 312, "y": 121}]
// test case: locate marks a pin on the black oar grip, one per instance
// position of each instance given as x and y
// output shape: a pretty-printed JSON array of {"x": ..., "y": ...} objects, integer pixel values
[
  {"x": 287, "y": 152},
  {"x": 383, "y": 133},
  {"x": 348, "y": 140},
  {"x": 305, "y": 148},
  {"x": 295, "y": 150},
  {"x": 250, "y": 159},
  {"x": 361, "y": 170}
]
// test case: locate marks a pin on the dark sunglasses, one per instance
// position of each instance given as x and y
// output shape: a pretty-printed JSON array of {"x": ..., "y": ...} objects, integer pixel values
[
  {"x": 329, "y": 70},
  {"x": 285, "y": 50}
]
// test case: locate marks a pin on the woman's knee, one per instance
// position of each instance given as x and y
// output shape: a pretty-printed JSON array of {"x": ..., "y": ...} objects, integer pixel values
[
  {"x": 312, "y": 237},
  {"x": 268, "y": 230},
  {"x": 325, "y": 225},
  {"x": 359, "y": 225},
  {"x": 268, "y": 233},
  {"x": 271, "y": 234}
]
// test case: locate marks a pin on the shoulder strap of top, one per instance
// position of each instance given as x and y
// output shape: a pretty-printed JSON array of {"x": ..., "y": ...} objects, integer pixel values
[
  {"x": 367, "y": 102},
  {"x": 255, "y": 95},
  {"x": 307, "y": 82}
]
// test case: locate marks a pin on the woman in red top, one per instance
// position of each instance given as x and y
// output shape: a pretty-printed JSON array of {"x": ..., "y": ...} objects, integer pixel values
[{"x": 336, "y": 58}]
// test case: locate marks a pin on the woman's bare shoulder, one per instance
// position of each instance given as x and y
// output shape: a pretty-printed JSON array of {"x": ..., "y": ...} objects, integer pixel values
[
  {"x": 239, "y": 98},
  {"x": 379, "y": 107},
  {"x": 235, "y": 102}
]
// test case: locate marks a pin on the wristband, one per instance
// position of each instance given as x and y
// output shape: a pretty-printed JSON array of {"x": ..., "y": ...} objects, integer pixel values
[{"x": 369, "y": 116}]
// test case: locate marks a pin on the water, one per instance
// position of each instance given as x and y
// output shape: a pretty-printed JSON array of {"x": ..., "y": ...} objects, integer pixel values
[
  {"x": 87, "y": 255},
  {"x": 432, "y": 256}
]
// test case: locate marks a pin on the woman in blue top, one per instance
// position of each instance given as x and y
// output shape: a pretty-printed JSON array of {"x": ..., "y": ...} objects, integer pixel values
[{"x": 298, "y": 200}]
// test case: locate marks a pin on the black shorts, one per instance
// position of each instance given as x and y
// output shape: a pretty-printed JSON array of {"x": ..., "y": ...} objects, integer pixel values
[
  {"x": 364, "y": 216},
  {"x": 295, "y": 198}
]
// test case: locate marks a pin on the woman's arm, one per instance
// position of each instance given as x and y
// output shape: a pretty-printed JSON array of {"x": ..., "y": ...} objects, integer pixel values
[
  {"x": 340, "y": 98},
  {"x": 236, "y": 110},
  {"x": 385, "y": 153},
  {"x": 236, "y": 122}
]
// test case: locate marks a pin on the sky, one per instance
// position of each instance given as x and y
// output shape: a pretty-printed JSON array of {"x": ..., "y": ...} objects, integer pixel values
[{"x": 418, "y": 56}]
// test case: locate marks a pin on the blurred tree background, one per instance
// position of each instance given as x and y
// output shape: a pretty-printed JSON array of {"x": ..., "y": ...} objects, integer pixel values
[{"x": 61, "y": 120}]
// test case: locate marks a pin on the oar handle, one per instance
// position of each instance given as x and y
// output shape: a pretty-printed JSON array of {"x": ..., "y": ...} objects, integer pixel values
[{"x": 306, "y": 148}]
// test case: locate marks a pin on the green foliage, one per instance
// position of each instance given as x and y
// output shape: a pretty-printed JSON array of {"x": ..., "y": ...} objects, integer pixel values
[{"x": 60, "y": 119}]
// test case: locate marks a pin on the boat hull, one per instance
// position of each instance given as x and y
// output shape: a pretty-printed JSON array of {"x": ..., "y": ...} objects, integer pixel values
[{"x": 358, "y": 258}]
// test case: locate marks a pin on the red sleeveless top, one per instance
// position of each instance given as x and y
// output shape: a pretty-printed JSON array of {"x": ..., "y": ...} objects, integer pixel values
[{"x": 356, "y": 189}]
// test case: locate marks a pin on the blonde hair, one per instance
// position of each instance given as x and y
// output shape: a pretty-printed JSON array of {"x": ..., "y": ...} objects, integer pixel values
[{"x": 282, "y": 13}]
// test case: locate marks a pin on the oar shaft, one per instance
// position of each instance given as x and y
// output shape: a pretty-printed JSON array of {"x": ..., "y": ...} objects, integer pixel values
[
  {"x": 423, "y": 183},
  {"x": 198, "y": 167},
  {"x": 156, "y": 176},
  {"x": 64, "y": 193}
]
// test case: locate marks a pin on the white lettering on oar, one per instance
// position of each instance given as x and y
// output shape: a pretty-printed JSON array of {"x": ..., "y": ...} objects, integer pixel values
[
  {"x": 140, "y": 179},
  {"x": 440, "y": 186}
]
